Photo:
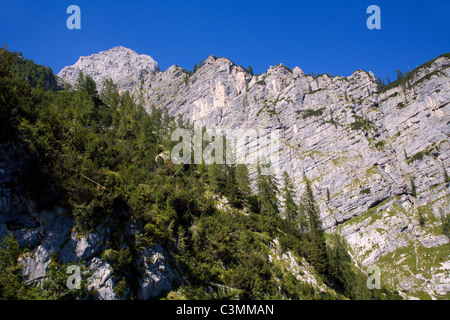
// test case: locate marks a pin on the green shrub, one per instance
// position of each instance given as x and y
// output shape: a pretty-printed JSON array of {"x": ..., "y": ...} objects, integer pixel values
[
  {"x": 380, "y": 144},
  {"x": 413, "y": 188},
  {"x": 445, "y": 220},
  {"x": 308, "y": 113},
  {"x": 400, "y": 105},
  {"x": 361, "y": 123}
]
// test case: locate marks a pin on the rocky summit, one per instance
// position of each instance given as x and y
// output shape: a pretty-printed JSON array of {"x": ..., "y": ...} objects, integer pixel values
[
  {"x": 124, "y": 66},
  {"x": 378, "y": 157}
]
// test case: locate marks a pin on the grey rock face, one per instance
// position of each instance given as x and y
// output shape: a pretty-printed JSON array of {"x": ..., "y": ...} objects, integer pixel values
[
  {"x": 158, "y": 276},
  {"x": 101, "y": 281},
  {"x": 55, "y": 225},
  {"x": 124, "y": 66},
  {"x": 83, "y": 248}
]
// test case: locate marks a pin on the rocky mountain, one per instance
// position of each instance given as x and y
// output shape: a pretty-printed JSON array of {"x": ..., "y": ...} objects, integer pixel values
[
  {"x": 378, "y": 158},
  {"x": 124, "y": 66}
]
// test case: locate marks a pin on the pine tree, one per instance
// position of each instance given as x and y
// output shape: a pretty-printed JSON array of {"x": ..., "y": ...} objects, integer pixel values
[
  {"x": 288, "y": 193},
  {"x": 231, "y": 188},
  {"x": 243, "y": 183},
  {"x": 302, "y": 220},
  {"x": 86, "y": 84},
  {"x": 268, "y": 200},
  {"x": 317, "y": 246},
  {"x": 109, "y": 94},
  {"x": 80, "y": 81},
  {"x": 90, "y": 87},
  {"x": 217, "y": 178}
]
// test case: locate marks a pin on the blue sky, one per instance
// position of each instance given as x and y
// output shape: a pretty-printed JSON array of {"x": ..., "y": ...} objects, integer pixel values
[{"x": 318, "y": 36}]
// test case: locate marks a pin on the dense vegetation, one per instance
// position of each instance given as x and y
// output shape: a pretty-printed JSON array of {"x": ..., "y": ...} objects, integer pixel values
[
  {"x": 37, "y": 76},
  {"x": 96, "y": 154}
]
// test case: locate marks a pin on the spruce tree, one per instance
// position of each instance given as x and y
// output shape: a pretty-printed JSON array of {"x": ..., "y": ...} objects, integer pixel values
[
  {"x": 231, "y": 187},
  {"x": 80, "y": 81},
  {"x": 288, "y": 193},
  {"x": 268, "y": 200},
  {"x": 86, "y": 84},
  {"x": 243, "y": 184},
  {"x": 109, "y": 94},
  {"x": 90, "y": 87},
  {"x": 339, "y": 260},
  {"x": 317, "y": 246},
  {"x": 216, "y": 178}
]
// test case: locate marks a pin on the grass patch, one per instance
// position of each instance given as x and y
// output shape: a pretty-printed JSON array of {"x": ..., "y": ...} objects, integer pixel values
[
  {"x": 308, "y": 113},
  {"x": 380, "y": 144},
  {"x": 361, "y": 123},
  {"x": 400, "y": 105}
]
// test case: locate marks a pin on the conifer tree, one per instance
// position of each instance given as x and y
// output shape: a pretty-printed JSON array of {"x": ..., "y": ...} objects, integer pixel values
[
  {"x": 109, "y": 94},
  {"x": 216, "y": 178},
  {"x": 243, "y": 183},
  {"x": 317, "y": 246},
  {"x": 267, "y": 199},
  {"x": 288, "y": 193},
  {"x": 339, "y": 259},
  {"x": 80, "y": 81},
  {"x": 86, "y": 84},
  {"x": 413, "y": 188},
  {"x": 231, "y": 187}
]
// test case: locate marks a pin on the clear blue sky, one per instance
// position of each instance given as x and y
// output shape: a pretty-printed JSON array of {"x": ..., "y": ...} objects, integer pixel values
[{"x": 318, "y": 36}]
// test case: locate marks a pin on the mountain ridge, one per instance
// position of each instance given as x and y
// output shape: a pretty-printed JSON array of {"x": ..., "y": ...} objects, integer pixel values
[{"x": 374, "y": 142}]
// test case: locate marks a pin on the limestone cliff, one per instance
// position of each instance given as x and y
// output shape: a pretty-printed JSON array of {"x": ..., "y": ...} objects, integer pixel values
[{"x": 377, "y": 159}]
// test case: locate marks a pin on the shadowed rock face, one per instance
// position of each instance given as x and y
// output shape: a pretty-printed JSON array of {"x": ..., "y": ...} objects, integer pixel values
[
  {"x": 360, "y": 148},
  {"x": 50, "y": 233}
]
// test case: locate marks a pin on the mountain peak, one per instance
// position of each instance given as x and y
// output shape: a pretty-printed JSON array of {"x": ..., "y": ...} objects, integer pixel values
[{"x": 124, "y": 66}]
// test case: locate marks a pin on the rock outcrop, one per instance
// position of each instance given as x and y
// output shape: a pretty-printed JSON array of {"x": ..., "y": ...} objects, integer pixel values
[{"x": 124, "y": 66}]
